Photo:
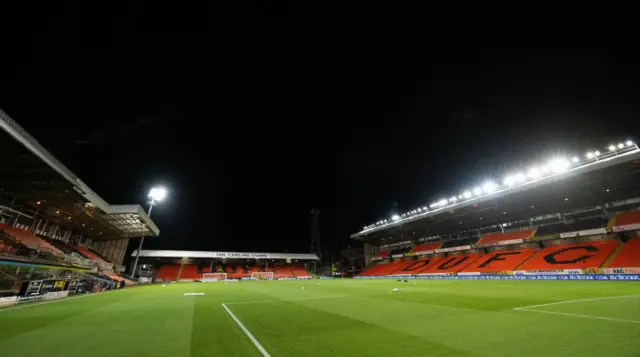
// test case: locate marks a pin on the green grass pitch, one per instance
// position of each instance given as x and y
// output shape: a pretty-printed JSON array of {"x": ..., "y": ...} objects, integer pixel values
[{"x": 335, "y": 318}]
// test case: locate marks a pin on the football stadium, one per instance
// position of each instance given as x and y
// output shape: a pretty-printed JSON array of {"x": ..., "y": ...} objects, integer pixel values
[{"x": 544, "y": 260}]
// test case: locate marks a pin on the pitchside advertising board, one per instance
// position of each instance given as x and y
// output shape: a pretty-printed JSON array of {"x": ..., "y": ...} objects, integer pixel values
[{"x": 582, "y": 277}]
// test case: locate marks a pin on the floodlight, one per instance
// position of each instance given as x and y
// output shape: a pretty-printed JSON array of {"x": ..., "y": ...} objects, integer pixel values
[
  {"x": 519, "y": 177},
  {"x": 419, "y": 209},
  {"x": 596, "y": 153},
  {"x": 453, "y": 199},
  {"x": 559, "y": 165},
  {"x": 589, "y": 155},
  {"x": 157, "y": 194},
  {"x": 477, "y": 191},
  {"x": 509, "y": 180},
  {"x": 575, "y": 159},
  {"x": 620, "y": 145},
  {"x": 612, "y": 148},
  {"x": 442, "y": 202},
  {"x": 489, "y": 187},
  {"x": 460, "y": 197},
  {"x": 466, "y": 194},
  {"x": 424, "y": 208},
  {"x": 534, "y": 172},
  {"x": 629, "y": 143}
]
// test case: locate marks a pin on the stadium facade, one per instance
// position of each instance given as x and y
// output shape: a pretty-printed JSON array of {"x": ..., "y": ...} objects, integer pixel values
[{"x": 570, "y": 216}]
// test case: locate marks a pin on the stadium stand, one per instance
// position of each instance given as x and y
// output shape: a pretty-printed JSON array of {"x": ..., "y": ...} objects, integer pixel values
[
  {"x": 628, "y": 255},
  {"x": 383, "y": 254},
  {"x": 298, "y": 271},
  {"x": 190, "y": 272},
  {"x": 571, "y": 256},
  {"x": 625, "y": 221},
  {"x": 385, "y": 269},
  {"x": 452, "y": 264},
  {"x": 503, "y": 260},
  {"x": 574, "y": 226},
  {"x": 168, "y": 272},
  {"x": 87, "y": 253},
  {"x": 398, "y": 251},
  {"x": 458, "y": 242},
  {"x": 280, "y": 271},
  {"x": 417, "y": 266},
  {"x": 426, "y": 247},
  {"x": 29, "y": 240},
  {"x": 491, "y": 238}
]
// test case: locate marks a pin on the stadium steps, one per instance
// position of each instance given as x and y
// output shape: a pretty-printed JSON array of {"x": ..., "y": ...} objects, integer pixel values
[
  {"x": 180, "y": 271},
  {"x": 291, "y": 272},
  {"x": 629, "y": 256},
  {"x": 526, "y": 260},
  {"x": 613, "y": 254}
]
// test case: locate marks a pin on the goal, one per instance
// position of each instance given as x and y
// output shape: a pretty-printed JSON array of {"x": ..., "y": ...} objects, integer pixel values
[
  {"x": 213, "y": 277},
  {"x": 262, "y": 275}
]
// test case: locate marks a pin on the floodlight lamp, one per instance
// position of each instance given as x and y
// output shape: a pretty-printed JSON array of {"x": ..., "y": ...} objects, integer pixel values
[
  {"x": 596, "y": 153},
  {"x": 453, "y": 199},
  {"x": 442, "y": 202},
  {"x": 629, "y": 143},
  {"x": 620, "y": 145},
  {"x": 589, "y": 155},
  {"x": 575, "y": 159},
  {"x": 419, "y": 209},
  {"x": 477, "y": 191},
  {"x": 466, "y": 194},
  {"x": 509, "y": 180},
  {"x": 395, "y": 217},
  {"x": 489, "y": 187},
  {"x": 424, "y": 208},
  {"x": 534, "y": 172},
  {"x": 612, "y": 148},
  {"x": 519, "y": 177},
  {"x": 157, "y": 194},
  {"x": 559, "y": 165}
]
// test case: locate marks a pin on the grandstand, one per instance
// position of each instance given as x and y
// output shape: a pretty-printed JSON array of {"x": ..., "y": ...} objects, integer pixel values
[
  {"x": 578, "y": 216},
  {"x": 182, "y": 265},
  {"x": 53, "y": 226}
]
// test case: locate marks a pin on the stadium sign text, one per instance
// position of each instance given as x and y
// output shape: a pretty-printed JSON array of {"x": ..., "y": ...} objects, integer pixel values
[{"x": 608, "y": 277}]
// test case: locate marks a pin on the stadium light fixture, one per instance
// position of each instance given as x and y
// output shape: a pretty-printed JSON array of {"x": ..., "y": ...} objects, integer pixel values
[
  {"x": 395, "y": 217},
  {"x": 575, "y": 159},
  {"x": 534, "y": 173},
  {"x": 559, "y": 165},
  {"x": 466, "y": 194},
  {"x": 489, "y": 187},
  {"x": 629, "y": 143},
  {"x": 477, "y": 191},
  {"x": 589, "y": 155},
  {"x": 620, "y": 145},
  {"x": 156, "y": 195},
  {"x": 509, "y": 181},
  {"x": 596, "y": 153},
  {"x": 453, "y": 199},
  {"x": 612, "y": 148}
]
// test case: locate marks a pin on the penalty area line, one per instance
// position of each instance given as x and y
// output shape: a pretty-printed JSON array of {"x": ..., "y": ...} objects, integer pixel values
[
  {"x": 246, "y": 332},
  {"x": 574, "y": 301},
  {"x": 579, "y": 315}
]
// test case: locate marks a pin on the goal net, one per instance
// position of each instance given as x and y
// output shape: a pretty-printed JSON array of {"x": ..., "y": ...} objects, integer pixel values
[
  {"x": 262, "y": 275},
  {"x": 212, "y": 277}
]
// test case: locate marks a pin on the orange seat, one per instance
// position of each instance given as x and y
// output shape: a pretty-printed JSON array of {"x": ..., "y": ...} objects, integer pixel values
[
  {"x": 426, "y": 247},
  {"x": 625, "y": 219},
  {"x": 383, "y": 254},
  {"x": 500, "y": 260},
  {"x": 571, "y": 256},
  {"x": 31, "y": 241},
  {"x": 452, "y": 264},
  {"x": 299, "y": 271},
  {"x": 628, "y": 256},
  {"x": 190, "y": 272},
  {"x": 168, "y": 272},
  {"x": 418, "y": 266},
  {"x": 500, "y": 237}
]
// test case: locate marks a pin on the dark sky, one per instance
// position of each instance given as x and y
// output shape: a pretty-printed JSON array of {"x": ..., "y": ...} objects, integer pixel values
[{"x": 253, "y": 116}]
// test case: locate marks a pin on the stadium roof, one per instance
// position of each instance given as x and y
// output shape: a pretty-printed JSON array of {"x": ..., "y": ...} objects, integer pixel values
[
  {"x": 612, "y": 178},
  {"x": 30, "y": 175},
  {"x": 221, "y": 255}
]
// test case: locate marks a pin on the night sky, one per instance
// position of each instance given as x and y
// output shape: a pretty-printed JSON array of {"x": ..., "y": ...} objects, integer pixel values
[{"x": 253, "y": 117}]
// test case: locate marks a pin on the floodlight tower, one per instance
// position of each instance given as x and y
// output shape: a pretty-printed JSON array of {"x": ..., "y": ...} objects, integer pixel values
[{"x": 155, "y": 196}]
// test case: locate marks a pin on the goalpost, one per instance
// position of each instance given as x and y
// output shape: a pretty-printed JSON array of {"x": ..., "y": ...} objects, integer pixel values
[
  {"x": 213, "y": 277},
  {"x": 262, "y": 275}
]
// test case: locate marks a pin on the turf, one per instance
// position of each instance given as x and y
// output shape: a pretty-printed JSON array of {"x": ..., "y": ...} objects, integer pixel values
[{"x": 335, "y": 318}]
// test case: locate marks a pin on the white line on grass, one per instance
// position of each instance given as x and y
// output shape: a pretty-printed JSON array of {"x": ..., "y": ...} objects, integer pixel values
[
  {"x": 577, "y": 300},
  {"x": 578, "y": 315},
  {"x": 246, "y": 332}
]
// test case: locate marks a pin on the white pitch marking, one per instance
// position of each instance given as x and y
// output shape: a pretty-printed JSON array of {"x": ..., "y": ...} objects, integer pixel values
[
  {"x": 246, "y": 332},
  {"x": 578, "y": 315},
  {"x": 577, "y": 300}
]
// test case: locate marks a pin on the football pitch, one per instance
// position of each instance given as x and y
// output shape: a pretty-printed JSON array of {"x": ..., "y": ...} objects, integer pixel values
[{"x": 334, "y": 318}]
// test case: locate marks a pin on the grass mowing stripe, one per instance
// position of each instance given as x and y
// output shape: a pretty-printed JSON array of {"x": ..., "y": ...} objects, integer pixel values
[
  {"x": 49, "y": 302},
  {"x": 303, "y": 299},
  {"x": 579, "y": 315},
  {"x": 246, "y": 332},
  {"x": 576, "y": 300}
]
